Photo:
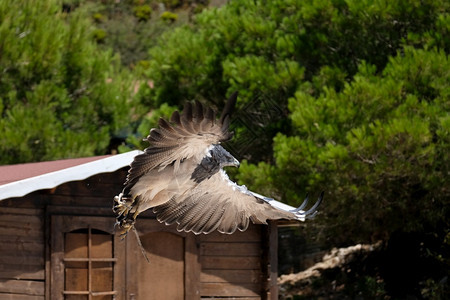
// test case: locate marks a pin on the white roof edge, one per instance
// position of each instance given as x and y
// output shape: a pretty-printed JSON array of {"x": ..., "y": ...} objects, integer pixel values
[{"x": 50, "y": 180}]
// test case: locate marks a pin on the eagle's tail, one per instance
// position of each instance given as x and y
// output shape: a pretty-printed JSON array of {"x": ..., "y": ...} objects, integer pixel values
[{"x": 125, "y": 213}]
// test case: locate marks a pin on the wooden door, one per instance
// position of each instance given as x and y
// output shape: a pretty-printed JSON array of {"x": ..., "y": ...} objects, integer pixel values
[
  {"x": 87, "y": 259},
  {"x": 163, "y": 276},
  {"x": 173, "y": 270},
  {"x": 91, "y": 262}
]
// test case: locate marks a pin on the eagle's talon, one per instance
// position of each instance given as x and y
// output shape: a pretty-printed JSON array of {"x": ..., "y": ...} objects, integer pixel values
[
  {"x": 125, "y": 226},
  {"x": 122, "y": 206}
]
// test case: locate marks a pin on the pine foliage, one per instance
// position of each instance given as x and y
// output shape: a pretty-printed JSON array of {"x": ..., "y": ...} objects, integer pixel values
[{"x": 60, "y": 96}]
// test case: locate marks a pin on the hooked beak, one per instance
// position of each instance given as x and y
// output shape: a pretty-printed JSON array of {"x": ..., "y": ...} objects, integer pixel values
[
  {"x": 231, "y": 161},
  {"x": 226, "y": 159},
  {"x": 236, "y": 163}
]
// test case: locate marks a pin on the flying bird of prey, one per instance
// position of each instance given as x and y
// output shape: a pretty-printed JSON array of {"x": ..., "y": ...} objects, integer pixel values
[{"x": 180, "y": 176}]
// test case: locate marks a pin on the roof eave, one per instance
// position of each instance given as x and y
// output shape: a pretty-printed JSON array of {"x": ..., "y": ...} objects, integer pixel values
[{"x": 53, "y": 179}]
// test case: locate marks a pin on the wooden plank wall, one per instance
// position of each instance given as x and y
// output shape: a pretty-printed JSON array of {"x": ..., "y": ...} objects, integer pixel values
[
  {"x": 22, "y": 229},
  {"x": 22, "y": 253},
  {"x": 97, "y": 191},
  {"x": 231, "y": 265}
]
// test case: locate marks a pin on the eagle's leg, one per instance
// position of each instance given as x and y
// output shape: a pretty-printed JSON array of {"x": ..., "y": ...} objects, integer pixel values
[
  {"x": 126, "y": 214},
  {"x": 122, "y": 205},
  {"x": 125, "y": 224}
]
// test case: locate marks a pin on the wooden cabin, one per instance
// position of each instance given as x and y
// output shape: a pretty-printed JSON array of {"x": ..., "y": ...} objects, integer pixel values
[{"x": 58, "y": 242}]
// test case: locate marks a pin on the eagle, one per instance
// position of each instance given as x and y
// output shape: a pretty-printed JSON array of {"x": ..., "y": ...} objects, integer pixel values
[{"x": 180, "y": 176}]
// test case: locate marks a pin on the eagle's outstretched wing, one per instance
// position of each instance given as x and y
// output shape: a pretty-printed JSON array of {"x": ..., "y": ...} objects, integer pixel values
[
  {"x": 188, "y": 136},
  {"x": 220, "y": 204},
  {"x": 181, "y": 177}
]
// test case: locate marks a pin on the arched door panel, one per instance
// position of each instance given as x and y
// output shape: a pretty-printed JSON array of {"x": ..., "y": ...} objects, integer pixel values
[{"x": 85, "y": 260}]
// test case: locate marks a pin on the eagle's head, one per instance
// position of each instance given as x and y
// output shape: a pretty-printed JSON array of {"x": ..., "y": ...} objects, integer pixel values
[
  {"x": 216, "y": 157},
  {"x": 223, "y": 157}
]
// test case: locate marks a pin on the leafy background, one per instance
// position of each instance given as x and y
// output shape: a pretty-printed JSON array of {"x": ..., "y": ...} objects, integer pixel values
[{"x": 351, "y": 97}]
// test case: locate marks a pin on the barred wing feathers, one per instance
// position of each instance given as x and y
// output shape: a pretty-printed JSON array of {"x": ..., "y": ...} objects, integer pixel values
[
  {"x": 188, "y": 136},
  {"x": 222, "y": 205}
]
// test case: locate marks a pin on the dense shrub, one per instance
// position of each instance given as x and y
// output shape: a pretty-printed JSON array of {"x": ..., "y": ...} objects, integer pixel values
[
  {"x": 272, "y": 48},
  {"x": 60, "y": 96},
  {"x": 379, "y": 147},
  {"x": 143, "y": 12}
]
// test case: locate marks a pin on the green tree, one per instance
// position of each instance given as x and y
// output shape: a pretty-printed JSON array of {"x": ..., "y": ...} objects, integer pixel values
[
  {"x": 272, "y": 48},
  {"x": 379, "y": 147},
  {"x": 131, "y": 27},
  {"x": 60, "y": 96}
]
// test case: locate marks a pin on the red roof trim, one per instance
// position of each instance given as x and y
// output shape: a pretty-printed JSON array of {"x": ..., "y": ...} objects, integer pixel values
[
  {"x": 23, "y": 179},
  {"x": 12, "y": 173}
]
